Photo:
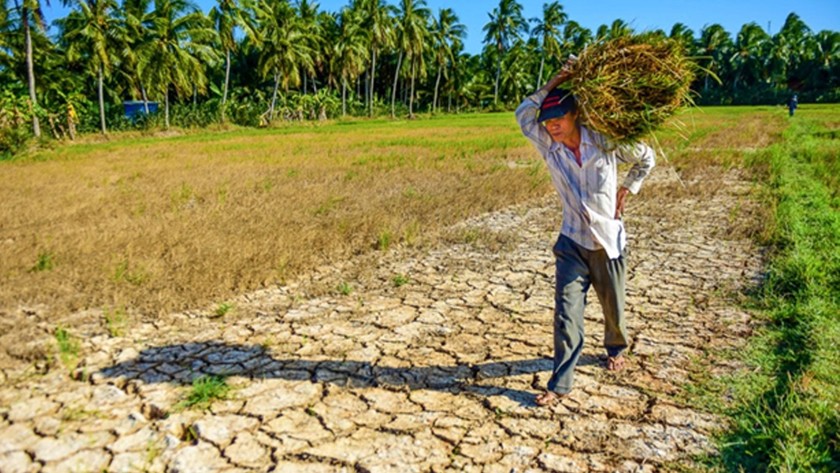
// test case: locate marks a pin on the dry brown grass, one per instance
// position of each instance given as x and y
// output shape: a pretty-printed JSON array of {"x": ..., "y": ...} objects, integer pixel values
[
  {"x": 165, "y": 224},
  {"x": 713, "y": 144},
  {"x": 161, "y": 224},
  {"x": 720, "y": 136}
]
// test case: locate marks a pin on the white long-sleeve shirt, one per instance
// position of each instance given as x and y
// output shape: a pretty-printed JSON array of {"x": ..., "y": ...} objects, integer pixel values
[{"x": 588, "y": 191}]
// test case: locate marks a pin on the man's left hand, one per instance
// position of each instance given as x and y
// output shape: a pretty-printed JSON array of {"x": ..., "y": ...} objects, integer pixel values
[{"x": 619, "y": 201}]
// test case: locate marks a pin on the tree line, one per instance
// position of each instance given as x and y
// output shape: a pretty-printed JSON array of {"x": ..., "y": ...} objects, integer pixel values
[{"x": 252, "y": 62}]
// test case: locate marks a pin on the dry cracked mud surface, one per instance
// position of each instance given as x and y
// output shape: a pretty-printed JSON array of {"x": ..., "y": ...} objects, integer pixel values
[{"x": 425, "y": 360}]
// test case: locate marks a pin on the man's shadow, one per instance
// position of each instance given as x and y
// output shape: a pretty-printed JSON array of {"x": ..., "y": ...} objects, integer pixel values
[{"x": 182, "y": 364}]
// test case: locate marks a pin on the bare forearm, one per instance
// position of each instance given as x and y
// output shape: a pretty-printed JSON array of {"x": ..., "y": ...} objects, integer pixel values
[
  {"x": 555, "y": 81},
  {"x": 560, "y": 77}
]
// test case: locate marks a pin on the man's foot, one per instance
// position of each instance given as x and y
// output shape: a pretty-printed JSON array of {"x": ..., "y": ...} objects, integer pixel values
[
  {"x": 615, "y": 363},
  {"x": 548, "y": 399}
]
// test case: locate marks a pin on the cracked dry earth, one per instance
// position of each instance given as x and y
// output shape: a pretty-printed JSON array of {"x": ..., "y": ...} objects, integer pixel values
[{"x": 436, "y": 374}]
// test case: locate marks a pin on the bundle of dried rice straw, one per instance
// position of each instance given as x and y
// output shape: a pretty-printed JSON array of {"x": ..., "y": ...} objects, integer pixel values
[{"x": 628, "y": 86}]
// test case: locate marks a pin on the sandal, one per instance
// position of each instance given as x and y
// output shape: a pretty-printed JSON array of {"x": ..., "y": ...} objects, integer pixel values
[
  {"x": 615, "y": 363},
  {"x": 548, "y": 399}
]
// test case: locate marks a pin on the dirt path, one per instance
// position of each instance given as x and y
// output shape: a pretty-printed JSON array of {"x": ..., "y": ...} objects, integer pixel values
[{"x": 430, "y": 363}]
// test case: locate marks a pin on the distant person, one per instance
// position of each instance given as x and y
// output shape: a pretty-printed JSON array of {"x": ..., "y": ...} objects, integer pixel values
[
  {"x": 792, "y": 104},
  {"x": 591, "y": 247}
]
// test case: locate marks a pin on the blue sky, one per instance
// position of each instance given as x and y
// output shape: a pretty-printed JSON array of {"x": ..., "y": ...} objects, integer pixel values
[{"x": 641, "y": 14}]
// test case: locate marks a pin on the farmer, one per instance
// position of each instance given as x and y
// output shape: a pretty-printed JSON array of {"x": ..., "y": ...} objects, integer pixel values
[
  {"x": 792, "y": 103},
  {"x": 591, "y": 247}
]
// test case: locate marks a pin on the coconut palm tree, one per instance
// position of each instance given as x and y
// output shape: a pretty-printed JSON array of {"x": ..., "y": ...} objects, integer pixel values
[
  {"x": 516, "y": 77},
  {"x": 135, "y": 18},
  {"x": 749, "y": 54},
  {"x": 715, "y": 44},
  {"x": 827, "y": 48},
  {"x": 476, "y": 86},
  {"x": 94, "y": 35},
  {"x": 684, "y": 36},
  {"x": 446, "y": 32},
  {"x": 575, "y": 38},
  {"x": 6, "y": 33},
  {"x": 226, "y": 16},
  {"x": 457, "y": 72},
  {"x": 377, "y": 18},
  {"x": 791, "y": 46},
  {"x": 547, "y": 29},
  {"x": 203, "y": 46},
  {"x": 285, "y": 46},
  {"x": 506, "y": 24},
  {"x": 827, "y": 59},
  {"x": 307, "y": 14},
  {"x": 412, "y": 29},
  {"x": 30, "y": 13},
  {"x": 349, "y": 52},
  {"x": 616, "y": 29},
  {"x": 168, "y": 60}
]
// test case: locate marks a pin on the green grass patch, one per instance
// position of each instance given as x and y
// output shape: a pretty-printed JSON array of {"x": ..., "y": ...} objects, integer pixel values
[
  {"x": 786, "y": 407},
  {"x": 222, "y": 309},
  {"x": 116, "y": 321},
  {"x": 400, "y": 280},
  {"x": 45, "y": 262},
  {"x": 344, "y": 288},
  {"x": 384, "y": 239},
  {"x": 68, "y": 347},
  {"x": 205, "y": 390}
]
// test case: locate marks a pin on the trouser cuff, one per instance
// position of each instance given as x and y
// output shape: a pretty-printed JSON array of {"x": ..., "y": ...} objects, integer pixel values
[{"x": 615, "y": 351}]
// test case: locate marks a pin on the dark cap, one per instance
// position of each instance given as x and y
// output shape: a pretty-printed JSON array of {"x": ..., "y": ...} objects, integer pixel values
[{"x": 557, "y": 103}]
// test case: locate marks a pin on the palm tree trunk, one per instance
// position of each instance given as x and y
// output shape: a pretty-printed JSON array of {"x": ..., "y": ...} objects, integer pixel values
[
  {"x": 30, "y": 72},
  {"x": 343, "y": 97},
  {"x": 274, "y": 97},
  {"x": 372, "y": 77},
  {"x": 735, "y": 81},
  {"x": 167, "y": 107},
  {"x": 71, "y": 121},
  {"x": 100, "y": 80},
  {"x": 539, "y": 76},
  {"x": 498, "y": 75},
  {"x": 227, "y": 76},
  {"x": 145, "y": 98},
  {"x": 53, "y": 128},
  {"x": 411, "y": 93},
  {"x": 304, "y": 82},
  {"x": 227, "y": 81},
  {"x": 394, "y": 90},
  {"x": 437, "y": 84}
]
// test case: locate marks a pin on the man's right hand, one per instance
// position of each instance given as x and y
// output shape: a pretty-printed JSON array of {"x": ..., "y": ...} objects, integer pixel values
[
  {"x": 564, "y": 75},
  {"x": 566, "y": 71}
]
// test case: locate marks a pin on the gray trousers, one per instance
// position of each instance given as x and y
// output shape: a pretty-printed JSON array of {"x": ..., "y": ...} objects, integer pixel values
[{"x": 577, "y": 268}]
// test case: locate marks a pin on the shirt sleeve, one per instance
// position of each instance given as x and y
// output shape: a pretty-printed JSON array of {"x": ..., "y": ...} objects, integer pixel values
[
  {"x": 526, "y": 116},
  {"x": 642, "y": 157}
]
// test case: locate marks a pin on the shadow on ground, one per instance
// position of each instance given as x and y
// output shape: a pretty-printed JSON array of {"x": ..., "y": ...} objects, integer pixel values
[{"x": 181, "y": 364}]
